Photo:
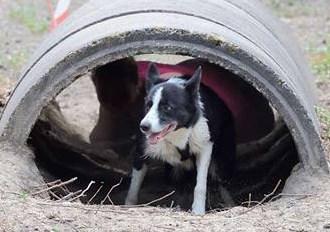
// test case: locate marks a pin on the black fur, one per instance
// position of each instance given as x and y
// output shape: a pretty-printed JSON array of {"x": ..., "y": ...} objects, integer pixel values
[
  {"x": 222, "y": 129},
  {"x": 175, "y": 104},
  {"x": 153, "y": 77},
  {"x": 185, "y": 153}
]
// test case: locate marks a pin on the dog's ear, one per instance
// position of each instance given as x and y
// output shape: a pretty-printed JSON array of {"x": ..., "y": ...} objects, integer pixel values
[
  {"x": 152, "y": 77},
  {"x": 192, "y": 85}
]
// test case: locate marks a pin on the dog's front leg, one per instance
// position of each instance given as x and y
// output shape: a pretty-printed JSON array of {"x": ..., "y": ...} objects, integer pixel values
[
  {"x": 202, "y": 163},
  {"x": 135, "y": 185}
]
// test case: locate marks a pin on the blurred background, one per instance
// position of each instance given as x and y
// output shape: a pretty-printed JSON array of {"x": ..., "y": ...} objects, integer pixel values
[{"x": 25, "y": 23}]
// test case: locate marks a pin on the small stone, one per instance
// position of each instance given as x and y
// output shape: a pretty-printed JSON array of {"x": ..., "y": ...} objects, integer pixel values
[{"x": 326, "y": 226}]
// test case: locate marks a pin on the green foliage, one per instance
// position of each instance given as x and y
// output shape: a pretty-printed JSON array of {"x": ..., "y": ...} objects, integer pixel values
[
  {"x": 23, "y": 195},
  {"x": 55, "y": 229},
  {"x": 27, "y": 15},
  {"x": 17, "y": 59},
  {"x": 321, "y": 64},
  {"x": 324, "y": 115}
]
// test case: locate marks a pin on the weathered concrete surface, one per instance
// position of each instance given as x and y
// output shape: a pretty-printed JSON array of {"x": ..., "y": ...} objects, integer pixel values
[
  {"x": 243, "y": 40},
  {"x": 18, "y": 171}
]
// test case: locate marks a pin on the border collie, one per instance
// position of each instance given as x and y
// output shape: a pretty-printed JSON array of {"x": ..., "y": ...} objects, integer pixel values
[{"x": 186, "y": 125}]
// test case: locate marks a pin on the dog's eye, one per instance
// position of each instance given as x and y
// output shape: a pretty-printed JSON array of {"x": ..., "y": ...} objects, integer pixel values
[{"x": 168, "y": 108}]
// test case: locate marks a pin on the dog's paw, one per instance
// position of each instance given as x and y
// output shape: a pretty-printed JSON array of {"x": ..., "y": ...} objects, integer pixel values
[
  {"x": 130, "y": 201},
  {"x": 198, "y": 209}
]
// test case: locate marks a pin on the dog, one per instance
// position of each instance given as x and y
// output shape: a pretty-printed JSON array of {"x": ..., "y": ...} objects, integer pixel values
[{"x": 185, "y": 124}]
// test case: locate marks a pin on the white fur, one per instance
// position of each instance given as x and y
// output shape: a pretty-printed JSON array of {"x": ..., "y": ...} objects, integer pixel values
[
  {"x": 198, "y": 138},
  {"x": 152, "y": 117},
  {"x": 166, "y": 150},
  {"x": 202, "y": 163},
  {"x": 134, "y": 188},
  {"x": 176, "y": 80}
]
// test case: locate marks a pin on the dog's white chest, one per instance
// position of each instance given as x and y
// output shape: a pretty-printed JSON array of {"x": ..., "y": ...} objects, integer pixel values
[{"x": 168, "y": 149}]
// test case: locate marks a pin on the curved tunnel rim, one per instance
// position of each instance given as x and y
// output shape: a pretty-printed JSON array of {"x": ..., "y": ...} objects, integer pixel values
[{"x": 252, "y": 80}]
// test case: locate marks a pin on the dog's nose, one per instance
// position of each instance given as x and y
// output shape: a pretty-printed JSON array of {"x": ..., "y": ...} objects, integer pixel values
[{"x": 145, "y": 127}]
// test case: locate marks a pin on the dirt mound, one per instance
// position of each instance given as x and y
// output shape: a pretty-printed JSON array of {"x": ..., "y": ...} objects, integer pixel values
[{"x": 301, "y": 208}]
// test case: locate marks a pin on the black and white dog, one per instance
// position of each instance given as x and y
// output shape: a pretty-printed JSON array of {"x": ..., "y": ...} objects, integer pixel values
[{"x": 184, "y": 117}]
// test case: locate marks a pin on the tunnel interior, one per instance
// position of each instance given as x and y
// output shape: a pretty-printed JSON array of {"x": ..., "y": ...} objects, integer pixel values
[{"x": 76, "y": 135}]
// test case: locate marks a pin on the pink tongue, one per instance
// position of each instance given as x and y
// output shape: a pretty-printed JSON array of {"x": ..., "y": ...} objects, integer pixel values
[{"x": 154, "y": 138}]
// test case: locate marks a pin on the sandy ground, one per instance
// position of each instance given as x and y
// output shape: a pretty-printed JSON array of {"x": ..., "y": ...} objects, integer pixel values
[
  {"x": 25, "y": 23},
  {"x": 296, "y": 212}
]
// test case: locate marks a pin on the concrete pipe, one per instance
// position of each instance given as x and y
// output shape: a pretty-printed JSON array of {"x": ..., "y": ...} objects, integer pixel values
[{"x": 239, "y": 35}]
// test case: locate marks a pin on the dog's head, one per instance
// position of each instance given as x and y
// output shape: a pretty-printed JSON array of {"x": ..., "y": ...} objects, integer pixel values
[{"x": 170, "y": 104}]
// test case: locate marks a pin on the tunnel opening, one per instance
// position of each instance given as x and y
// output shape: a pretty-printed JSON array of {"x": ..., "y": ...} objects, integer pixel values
[{"x": 70, "y": 140}]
